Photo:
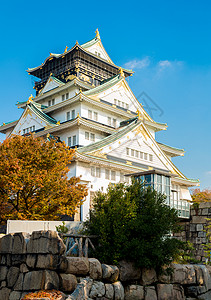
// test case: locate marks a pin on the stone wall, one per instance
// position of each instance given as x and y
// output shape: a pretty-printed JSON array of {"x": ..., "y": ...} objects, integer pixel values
[
  {"x": 194, "y": 230},
  {"x": 37, "y": 262}
]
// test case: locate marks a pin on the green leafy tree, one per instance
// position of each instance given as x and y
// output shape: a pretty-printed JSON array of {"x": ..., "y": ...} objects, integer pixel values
[{"x": 133, "y": 223}]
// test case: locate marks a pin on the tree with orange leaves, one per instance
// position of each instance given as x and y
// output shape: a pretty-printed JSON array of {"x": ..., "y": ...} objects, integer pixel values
[
  {"x": 199, "y": 196},
  {"x": 34, "y": 183}
]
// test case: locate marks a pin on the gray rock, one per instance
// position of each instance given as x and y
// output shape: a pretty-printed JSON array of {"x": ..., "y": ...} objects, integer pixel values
[
  {"x": 38, "y": 280},
  {"x": 95, "y": 268},
  {"x": 33, "y": 281},
  {"x": 110, "y": 273},
  {"x": 148, "y": 276},
  {"x": 3, "y": 284},
  {"x": 17, "y": 259},
  {"x": 6, "y": 260},
  {"x": 128, "y": 271},
  {"x": 5, "y": 293},
  {"x": 118, "y": 291},
  {"x": 15, "y": 295},
  {"x": 63, "y": 264},
  {"x": 20, "y": 241},
  {"x": 47, "y": 261},
  {"x": 3, "y": 272},
  {"x": 206, "y": 296},
  {"x": 82, "y": 290},
  {"x": 134, "y": 292},
  {"x": 44, "y": 242},
  {"x": 31, "y": 260},
  {"x": 183, "y": 274},
  {"x": 12, "y": 276},
  {"x": 6, "y": 244},
  {"x": 97, "y": 289},
  {"x": 19, "y": 283},
  {"x": 77, "y": 266},
  {"x": 165, "y": 291},
  {"x": 68, "y": 282},
  {"x": 109, "y": 291},
  {"x": 178, "y": 292},
  {"x": 24, "y": 268},
  {"x": 150, "y": 293}
]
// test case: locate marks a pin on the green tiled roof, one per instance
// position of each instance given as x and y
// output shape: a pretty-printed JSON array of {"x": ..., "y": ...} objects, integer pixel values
[
  {"x": 36, "y": 108},
  {"x": 90, "y": 43},
  {"x": 104, "y": 86},
  {"x": 6, "y": 123},
  {"x": 111, "y": 138}
]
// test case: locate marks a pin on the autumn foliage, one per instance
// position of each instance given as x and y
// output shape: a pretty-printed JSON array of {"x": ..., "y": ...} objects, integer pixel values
[
  {"x": 33, "y": 180},
  {"x": 199, "y": 196}
]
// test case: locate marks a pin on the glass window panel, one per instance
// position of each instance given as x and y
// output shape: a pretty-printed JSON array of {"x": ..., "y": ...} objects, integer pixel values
[
  {"x": 73, "y": 114},
  {"x": 89, "y": 114},
  {"x": 147, "y": 178},
  {"x": 93, "y": 171},
  {"x": 92, "y": 137},
  {"x": 113, "y": 175},
  {"x": 86, "y": 135},
  {"x": 69, "y": 141},
  {"x": 74, "y": 140},
  {"x": 132, "y": 152},
  {"x": 98, "y": 172},
  {"x": 145, "y": 156},
  {"x": 68, "y": 115},
  {"x": 107, "y": 174},
  {"x": 141, "y": 155}
]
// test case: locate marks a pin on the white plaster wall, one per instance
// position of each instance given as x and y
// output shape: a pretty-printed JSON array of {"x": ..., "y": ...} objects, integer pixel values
[{"x": 61, "y": 115}]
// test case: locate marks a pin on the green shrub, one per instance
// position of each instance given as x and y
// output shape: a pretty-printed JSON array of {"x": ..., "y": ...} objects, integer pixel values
[{"x": 133, "y": 223}]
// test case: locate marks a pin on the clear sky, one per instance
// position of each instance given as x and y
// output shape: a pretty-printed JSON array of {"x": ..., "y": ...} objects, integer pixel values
[{"x": 166, "y": 43}]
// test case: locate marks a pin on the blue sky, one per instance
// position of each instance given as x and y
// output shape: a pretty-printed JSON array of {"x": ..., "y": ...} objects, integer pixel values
[{"x": 166, "y": 43}]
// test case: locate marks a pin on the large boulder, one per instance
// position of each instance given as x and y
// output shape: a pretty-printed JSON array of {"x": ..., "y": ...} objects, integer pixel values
[
  {"x": 183, "y": 274},
  {"x": 20, "y": 240},
  {"x": 97, "y": 290},
  {"x": 6, "y": 243},
  {"x": 38, "y": 280},
  {"x": 12, "y": 276},
  {"x": 82, "y": 290},
  {"x": 15, "y": 295},
  {"x": 77, "y": 266},
  {"x": 150, "y": 293},
  {"x": 68, "y": 282},
  {"x": 118, "y": 291},
  {"x": 165, "y": 291},
  {"x": 109, "y": 291},
  {"x": 47, "y": 261},
  {"x": 128, "y": 271},
  {"x": 19, "y": 283},
  {"x": 148, "y": 276},
  {"x": 44, "y": 242},
  {"x": 5, "y": 293},
  {"x": 134, "y": 292},
  {"x": 3, "y": 272},
  {"x": 178, "y": 292},
  {"x": 110, "y": 273},
  {"x": 95, "y": 268}
]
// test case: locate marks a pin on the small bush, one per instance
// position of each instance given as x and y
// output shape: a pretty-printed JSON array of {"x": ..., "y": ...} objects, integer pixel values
[{"x": 133, "y": 223}]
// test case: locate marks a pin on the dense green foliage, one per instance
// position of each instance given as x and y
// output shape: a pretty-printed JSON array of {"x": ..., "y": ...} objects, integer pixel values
[{"x": 133, "y": 223}]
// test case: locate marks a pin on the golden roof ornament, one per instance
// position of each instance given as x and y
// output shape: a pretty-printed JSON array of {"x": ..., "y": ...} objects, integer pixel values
[
  {"x": 58, "y": 123},
  {"x": 121, "y": 72},
  {"x": 48, "y": 135},
  {"x": 97, "y": 34},
  {"x": 138, "y": 114},
  {"x": 4, "y": 124},
  {"x": 30, "y": 99},
  {"x": 65, "y": 50}
]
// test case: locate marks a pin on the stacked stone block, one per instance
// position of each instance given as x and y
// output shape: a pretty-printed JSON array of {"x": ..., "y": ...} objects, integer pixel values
[
  {"x": 194, "y": 230},
  {"x": 37, "y": 262}
]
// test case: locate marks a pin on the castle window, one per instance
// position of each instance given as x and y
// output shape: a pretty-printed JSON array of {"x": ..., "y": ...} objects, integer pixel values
[
  {"x": 114, "y": 123},
  {"x": 113, "y": 175},
  {"x": 67, "y": 95},
  {"x": 98, "y": 172},
  {"x": 74, "y": 140},
  {"x": 121, "y": 177},
  {"x": 92, "y": 137},
  {"x": 127, "y": 151},
  {"x": 24, "y": 131},
  {"x": 33, "y": 127},
  {"x": 89, "y": 114},
  {"x": 145, "y": 156},
  {"x": 63, "y": 97},
  {"x": 68, "y": 116},
  {"x": 141, "y": 155},
  {"x": 132, "y": 152},
  {"x": 127, "y": 106},
  {"x": 115, "y": 101},
  {"x": 69, "y": 141},
  {"x": 49, "y": 103},
  {"x": 109, "y": 121},
  {"x": 95, "y": 116},
  {"x": 150, "y": 157},
  {"x": 53, "y": 101},
  {"x": 107, "y": 174},
  {"x": 137, "y": 153},
  {"x": 86, "y": 135},
  {"x": 93, "y": 171},
  {"x": 73, "y": 114}
]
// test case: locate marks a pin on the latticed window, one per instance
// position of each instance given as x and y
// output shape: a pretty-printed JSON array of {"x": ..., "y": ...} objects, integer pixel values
[
  {"x": 113, "y": 175},
  {"x": 86, "y": 135},
  {"x": 107, "y": 174}
]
